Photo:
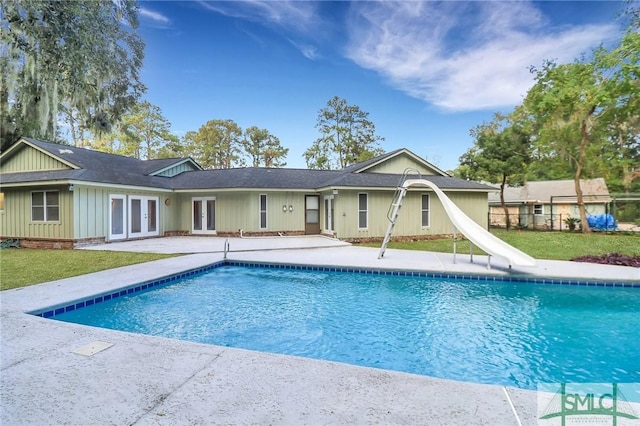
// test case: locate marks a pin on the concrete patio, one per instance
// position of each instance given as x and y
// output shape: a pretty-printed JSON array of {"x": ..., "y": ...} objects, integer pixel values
[{"x": 50, "y": 374}]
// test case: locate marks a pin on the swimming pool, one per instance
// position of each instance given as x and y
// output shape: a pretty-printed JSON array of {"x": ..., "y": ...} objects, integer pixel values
[{"x": 496, "y": 332}]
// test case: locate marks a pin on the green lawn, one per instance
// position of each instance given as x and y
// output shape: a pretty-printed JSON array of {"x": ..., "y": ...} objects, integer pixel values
[
  {"x": 541, "y": 245},
  {"x": 22, "y": 267}
]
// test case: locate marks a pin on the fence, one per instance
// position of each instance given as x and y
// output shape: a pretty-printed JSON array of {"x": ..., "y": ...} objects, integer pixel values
[
  {"x": 543, "y": 222},
  {"x": 560, "y": 222}
]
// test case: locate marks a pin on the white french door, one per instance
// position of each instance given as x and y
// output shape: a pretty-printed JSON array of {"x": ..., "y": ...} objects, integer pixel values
[
  {"x": 117, "y": 217},
  {"x": 133, "y": 216},
  {"x": 143, "y": 216},
  {"x": 203, "y": 215},
  {"x": 328, "y": 215}
]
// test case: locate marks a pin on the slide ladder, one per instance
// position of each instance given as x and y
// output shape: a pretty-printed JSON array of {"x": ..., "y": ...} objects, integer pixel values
[
  {"x": 475, "y": 233},
  {"x": 394, "y": 210}
]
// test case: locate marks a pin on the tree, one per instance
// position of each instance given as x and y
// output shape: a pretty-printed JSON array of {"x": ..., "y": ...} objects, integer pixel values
[
  {"x": 500, "y": 154},
  {"x": 173, "y": 149},
  {"x": 216, "y": 145},
  {"x": 263, "y": 148},
  {"x": 632, "y": 13},
  {"x": 573, "y": 106},
  {"x": 72, "y": 60},
  {"x": 107, "y": 142},
  {"x": 144, "y": 131},
  {"x": 348, "y": 137}
]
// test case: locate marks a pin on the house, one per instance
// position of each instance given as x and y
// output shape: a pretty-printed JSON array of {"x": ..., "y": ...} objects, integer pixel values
[
  {"x": 547, "y": 204},
  {"x": 55, "y": 195}
]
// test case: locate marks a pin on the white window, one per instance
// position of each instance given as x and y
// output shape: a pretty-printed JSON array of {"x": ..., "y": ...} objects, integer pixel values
[
  {"x": 424, "y": 210},
  {"x": 363, "y": 208},
  {"x": 312, "y": 207},
  {"x": 538, "y": 209},
  {"x": 263, "y": 211},
  {"x": 45, "y": 206}
]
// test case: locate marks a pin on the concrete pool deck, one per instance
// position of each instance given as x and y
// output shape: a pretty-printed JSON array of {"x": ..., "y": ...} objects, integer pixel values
[{"x": 50, "y": 375}]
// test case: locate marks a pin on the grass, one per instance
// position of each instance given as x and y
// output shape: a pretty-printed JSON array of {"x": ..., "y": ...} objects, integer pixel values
[
  {"x": 541, "y": 245},
  {"x": 23, "y": 267}
]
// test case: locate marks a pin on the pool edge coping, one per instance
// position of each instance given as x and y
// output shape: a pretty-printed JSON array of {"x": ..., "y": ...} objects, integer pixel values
[{"x": 51, "y": 311}]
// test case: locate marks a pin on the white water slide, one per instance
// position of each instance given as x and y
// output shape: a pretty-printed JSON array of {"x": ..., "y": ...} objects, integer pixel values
[{"x": 479, "y": 236}]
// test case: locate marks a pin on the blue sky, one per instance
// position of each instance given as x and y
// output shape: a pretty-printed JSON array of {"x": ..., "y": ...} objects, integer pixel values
[{"x": 426, "y": 72}]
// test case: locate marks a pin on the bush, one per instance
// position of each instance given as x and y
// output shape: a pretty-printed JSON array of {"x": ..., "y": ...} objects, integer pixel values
[
  {"x": 572, "y": 223},
  {"x": 611, "y": 259}
]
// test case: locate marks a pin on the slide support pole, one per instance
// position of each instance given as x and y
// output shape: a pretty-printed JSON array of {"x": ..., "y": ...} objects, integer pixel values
[{"x": 455, "y": 244}]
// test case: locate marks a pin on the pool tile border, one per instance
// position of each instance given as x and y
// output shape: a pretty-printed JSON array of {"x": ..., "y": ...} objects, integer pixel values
[{"x": 50, "y": 312}]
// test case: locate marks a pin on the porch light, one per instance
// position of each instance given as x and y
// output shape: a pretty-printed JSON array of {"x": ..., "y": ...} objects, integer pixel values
[
  {"x": 70, "y": 187},
  {"x": 335, "y": 192},
  {"x": 284, "y": 208},
  {"x": 290, "y": 208}
]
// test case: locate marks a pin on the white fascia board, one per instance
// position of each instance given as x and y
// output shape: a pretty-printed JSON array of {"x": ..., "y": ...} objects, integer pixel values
[
  {"x": 213, "y": 189},
  {"x": 83, "y": 183}
]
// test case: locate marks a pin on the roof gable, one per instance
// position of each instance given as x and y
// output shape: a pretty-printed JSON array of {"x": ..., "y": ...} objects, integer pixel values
[
  {"x": 396, "y": 162},
  {"x": 28, "y": 156},
  {"x": 172, "y": 166},
  {"x": 90, "y": 166}
]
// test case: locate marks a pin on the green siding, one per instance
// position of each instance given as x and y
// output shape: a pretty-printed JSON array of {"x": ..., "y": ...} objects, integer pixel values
[
  {"x": 398, "y": 165},
  {"x": 29, "y": 159},
  {"x": 181, "y": 217},
  {"x": 235, "y": 210},
  {"x": 174, "y": 171},
  {"x": 91, "y": 209},
  {"x": 170, "y": 214},
  {"x": 88, "y": 205},
  {"x": 240, "y": 210},
  {"x": 15, "y": 220},
  {"x": 409, "y": 221}
]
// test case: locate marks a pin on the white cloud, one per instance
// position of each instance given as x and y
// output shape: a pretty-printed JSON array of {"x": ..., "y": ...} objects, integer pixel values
[
  {"x": 307, "y": 50},
  {"x": 292, "y": 15},
  {"x": 462, "y": 55},
  {"x": 154, "y": 16},
  {"x": 297, "y": 18}
]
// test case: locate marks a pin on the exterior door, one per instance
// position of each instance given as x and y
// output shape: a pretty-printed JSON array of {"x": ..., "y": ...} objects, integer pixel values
[
  {"x": 117, "y": 217},
  {"x": 203, "y": 215},
  {"x": 143, "y": 216},
  {"x": 328, "y": 214},
  {"x": 312, "y": 214}
]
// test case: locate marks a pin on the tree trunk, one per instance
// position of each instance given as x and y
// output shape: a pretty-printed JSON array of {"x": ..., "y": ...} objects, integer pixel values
[
  {"x": 628, "y": 176},
  {"x": 502, "y": 203},
  {"x": 580, "y": 164}
]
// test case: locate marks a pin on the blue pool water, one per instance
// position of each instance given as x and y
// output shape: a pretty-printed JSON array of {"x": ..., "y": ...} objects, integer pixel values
[{"x": 514, "y": 334}]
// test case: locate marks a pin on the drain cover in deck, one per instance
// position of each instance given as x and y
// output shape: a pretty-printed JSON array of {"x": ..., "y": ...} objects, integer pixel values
[{"x": 93, "y": 348}]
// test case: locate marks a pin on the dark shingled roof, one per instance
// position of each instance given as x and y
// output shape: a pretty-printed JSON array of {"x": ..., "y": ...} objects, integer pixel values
[
  {"x": 366, "y": 163},
  {"x": 393, "y": 180},
  {"x": 96, "y": 166},
  {"x": 253, "y": 177}
]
